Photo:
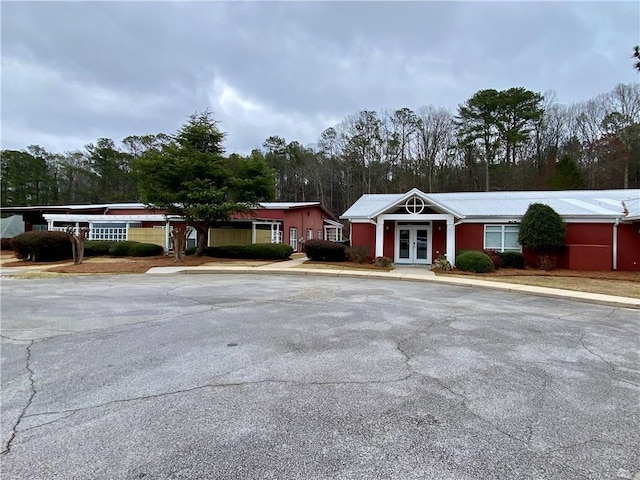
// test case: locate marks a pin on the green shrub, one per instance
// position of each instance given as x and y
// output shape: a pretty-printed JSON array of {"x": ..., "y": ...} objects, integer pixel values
[
  {"x": 42, "y": 246},
  {"x": 121, "y": 249},
  {"x": 6, "y": 244},
  {"x": 512, "y": 260},
  {"x": 269, "y": 251},
  {"x": 359, "y": 253},
  {"x": 190, "y": 251},
  {"x": 542, "y": 229},
  {"x": 130, "y": 248},
  {"x": 474, "y": 261},
  {"x": 96, "y": 248},
  {"x": 145, "y": 250},
  {"x": 226, "y": 251},
  {"x": 325, "y": 251}
]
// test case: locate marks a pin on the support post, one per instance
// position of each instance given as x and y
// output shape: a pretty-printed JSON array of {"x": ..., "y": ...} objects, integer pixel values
[
  {"x": 451, "y": 242},
  {"x": 380, "y": 238}
]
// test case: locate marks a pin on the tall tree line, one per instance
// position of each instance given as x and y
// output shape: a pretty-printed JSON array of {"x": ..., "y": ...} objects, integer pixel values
[{"x": 512, "y": 139}]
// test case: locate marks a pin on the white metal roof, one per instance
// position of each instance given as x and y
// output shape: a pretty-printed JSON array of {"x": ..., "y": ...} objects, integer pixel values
[
  {"x": 11, "y": 226},
  {"x": 286, "y": 205},
  {"x": 83, "y": 207},
  {"x": 79, "y": 217},
  {"x": 568, "y": 203}
]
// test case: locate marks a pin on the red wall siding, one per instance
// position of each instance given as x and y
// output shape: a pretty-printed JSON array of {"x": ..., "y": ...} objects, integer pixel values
[
  {"x": 302, "y": 219},
  {"x": 589, "y": 234},
  {"x": 389, "y": 240},
  {"x": 629, "y": 247},
  {"x": 587, "y": 257},
  {"x": 470, "y": 236},
  {"x": 439, "y": 239},
  {"x": 364, "y": 234},
  {"x": 268, "y": 214}
]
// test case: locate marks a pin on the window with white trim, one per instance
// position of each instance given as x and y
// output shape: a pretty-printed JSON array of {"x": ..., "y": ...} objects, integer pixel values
[
  {"x": 309, "y": 234},
  {"x": 293, "y": 238},
  {"x": 502, "y": 238}
]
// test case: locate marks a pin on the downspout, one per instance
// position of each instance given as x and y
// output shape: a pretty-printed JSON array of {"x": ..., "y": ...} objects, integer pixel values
[{"x": 615, "y": 243}]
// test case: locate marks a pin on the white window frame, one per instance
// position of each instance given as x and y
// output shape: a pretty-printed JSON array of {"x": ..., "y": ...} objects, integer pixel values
[
  {"x": 502, "y": 236},
  {"x": 293, "y": 238},
  {"x": 309, "y": 234}
]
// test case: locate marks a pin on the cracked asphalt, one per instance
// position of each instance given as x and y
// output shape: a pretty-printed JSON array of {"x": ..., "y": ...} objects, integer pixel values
[{"x": 256, "y": 376}]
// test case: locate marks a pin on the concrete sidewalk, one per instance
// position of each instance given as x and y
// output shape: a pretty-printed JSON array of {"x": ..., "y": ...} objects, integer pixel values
[{"x": 408, "y": 273}]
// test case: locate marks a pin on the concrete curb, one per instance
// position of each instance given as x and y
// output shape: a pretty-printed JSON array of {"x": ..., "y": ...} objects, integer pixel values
[{"x": 596, "y": 298}]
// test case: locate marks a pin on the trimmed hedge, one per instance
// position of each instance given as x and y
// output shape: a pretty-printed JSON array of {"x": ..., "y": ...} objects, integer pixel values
[
  {"x": 512, "y": 260},
  {"x": 121, "y": 249},
  {"x": 145, "y": 250},
  {"x": 42, "y": 246},
  {"x": 135, "y": 249},
  {"x": 96, "y": 248},
  {"x": 256, "y": 251},
  {"x": 325, "y": 251},
  {"x": 474, "y": 261}
]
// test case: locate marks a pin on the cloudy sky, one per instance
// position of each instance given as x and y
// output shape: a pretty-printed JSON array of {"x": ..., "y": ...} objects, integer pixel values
[{"x": 73, "y": 72}]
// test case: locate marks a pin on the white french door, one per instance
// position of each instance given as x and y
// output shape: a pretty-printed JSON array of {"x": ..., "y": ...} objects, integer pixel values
[{"x": 413, "y": 244}]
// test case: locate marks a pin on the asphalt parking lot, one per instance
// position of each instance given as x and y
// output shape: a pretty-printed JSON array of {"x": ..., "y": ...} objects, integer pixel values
[{"x": 278, "y": 377}]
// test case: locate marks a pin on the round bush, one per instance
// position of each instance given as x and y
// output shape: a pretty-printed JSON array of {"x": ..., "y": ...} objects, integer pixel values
[
  {"x": 42, "y": 246},
  {"x": 145, "y": 250},
  {"x": 473, "y": 261}
]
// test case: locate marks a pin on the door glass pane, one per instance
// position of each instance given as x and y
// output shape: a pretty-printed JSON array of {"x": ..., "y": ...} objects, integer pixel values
[
  {"x": 404, "y": 244},
  {"x": 421, "y": 246}
]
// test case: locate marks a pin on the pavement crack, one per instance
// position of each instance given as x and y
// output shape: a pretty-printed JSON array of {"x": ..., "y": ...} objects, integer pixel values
[
  {"x": 595, "y": 354},
  {"x": 582, "y": 444},
  {"x": 212, "y": 385},
  {"x": 14, "y": 430},
  {"x": 541, "y": 393}
]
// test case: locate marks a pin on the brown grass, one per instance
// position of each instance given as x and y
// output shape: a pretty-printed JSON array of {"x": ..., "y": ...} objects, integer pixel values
[
  {"x": 344, "y": 266},
  {"x": 118, "y": 265},
  {"x": 624, "y": 284}
]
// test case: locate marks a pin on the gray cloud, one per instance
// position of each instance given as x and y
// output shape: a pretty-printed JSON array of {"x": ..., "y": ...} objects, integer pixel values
[{"x": 73, "y": 72}]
